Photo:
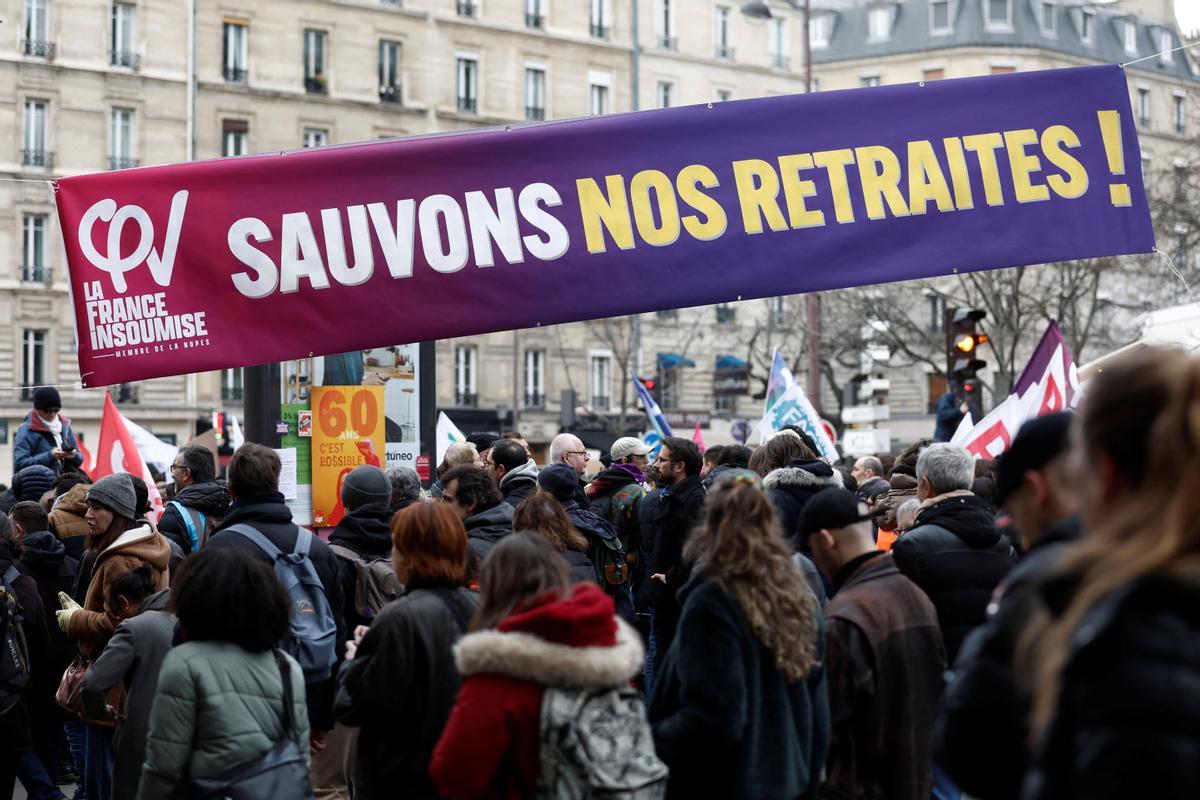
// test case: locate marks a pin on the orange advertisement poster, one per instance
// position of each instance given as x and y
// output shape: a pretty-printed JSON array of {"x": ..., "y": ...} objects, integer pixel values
[{"x": 348, "y": 431}]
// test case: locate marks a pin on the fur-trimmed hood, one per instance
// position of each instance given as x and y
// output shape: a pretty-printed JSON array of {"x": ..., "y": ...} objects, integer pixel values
[
  {"x": 803, "y": 473},
  {"x": 576, "y": 642}
]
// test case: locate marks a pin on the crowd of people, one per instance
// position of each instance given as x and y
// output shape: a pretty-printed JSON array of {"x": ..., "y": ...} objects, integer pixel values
[{"x": 737, "y": 623}]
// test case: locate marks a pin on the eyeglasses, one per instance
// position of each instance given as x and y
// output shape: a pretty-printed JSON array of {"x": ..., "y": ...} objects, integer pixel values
[
  {"x": 575, "y": 453},
  {"x": 178, "y": 466}
]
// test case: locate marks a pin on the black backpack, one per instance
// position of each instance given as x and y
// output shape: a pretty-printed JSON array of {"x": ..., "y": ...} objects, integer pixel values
[{"x": 14, "y": 660}]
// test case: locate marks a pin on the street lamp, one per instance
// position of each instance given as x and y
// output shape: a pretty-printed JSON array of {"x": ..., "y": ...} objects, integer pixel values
[{"x": 759, "y": 9}]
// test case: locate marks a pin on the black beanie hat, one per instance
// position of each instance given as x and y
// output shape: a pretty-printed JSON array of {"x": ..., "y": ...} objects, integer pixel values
[{"x": 46, "y": 398}]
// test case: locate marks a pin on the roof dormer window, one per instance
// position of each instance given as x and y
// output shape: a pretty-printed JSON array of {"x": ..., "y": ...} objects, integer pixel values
[
  {"x": 997, "y": 15},
  {"x": 1166, "y": 43},
  {"x": 820, "y": 29},
  {"x": 1048, "y": 17},
  {"x": 879, "y": 23},
  {"x": 1131, "y": 47},
  {"x": 1087, "y": 25},
  {"x": 939, "y": 16}
]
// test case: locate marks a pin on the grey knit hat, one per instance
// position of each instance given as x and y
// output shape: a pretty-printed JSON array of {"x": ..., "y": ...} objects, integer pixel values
[
  {"x": 115, "y": 492},
  {"x": 366, "y": 484}
]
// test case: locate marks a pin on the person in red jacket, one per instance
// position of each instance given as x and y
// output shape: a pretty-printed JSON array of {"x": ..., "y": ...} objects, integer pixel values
[{"x": 532, "y": 631}]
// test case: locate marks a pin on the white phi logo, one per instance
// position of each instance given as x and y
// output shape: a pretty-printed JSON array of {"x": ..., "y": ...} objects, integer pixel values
[{"x": 161, "y": 266}]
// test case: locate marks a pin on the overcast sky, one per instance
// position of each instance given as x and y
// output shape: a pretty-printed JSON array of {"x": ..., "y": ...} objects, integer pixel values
[{"x": 1188, "y": 12}]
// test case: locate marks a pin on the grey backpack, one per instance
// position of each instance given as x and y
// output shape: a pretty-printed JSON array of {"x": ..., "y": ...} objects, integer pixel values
[
  {"x": 596, "y": 745},
  {"x": 375, "y": 581}
]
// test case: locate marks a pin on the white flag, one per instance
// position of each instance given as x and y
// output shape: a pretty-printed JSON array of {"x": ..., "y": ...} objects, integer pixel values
[{"x": 447, "y": 434}]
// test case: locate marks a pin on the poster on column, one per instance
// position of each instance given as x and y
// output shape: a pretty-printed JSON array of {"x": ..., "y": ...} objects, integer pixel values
[
  {"x": 348, "y": 431},
  {"x": 302, "y": 507}
]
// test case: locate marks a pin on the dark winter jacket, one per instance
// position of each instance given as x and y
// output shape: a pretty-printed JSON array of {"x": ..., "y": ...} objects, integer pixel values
[
  {"x": 885, "y": 664},
  {"x": 271, "y": 517},
  {"x": 582, "y": 568},
  {"x": 133, "y": 656},
  {"x": 46, "y": 561},
  {"x": 957, "y": 555},
  {"x": 34, "y": 444},
  {"x": 949, "y": 415},
  {"x": 400, "y": 687},
  {"x": 716, "y": 472},
  {"x": 680, "y": 510},
  {"x": 982, "y": 733},
  {"x": 15, "y": 723},
  {"x": 366, "y": 531},
  {"x": 490, "y": 745},
  {"x": 725, "y": 720},
  {"x": 790, "y": 489},
  {"x": 520, "y": 483},
  {"x": 210, "y": 498},
  {"x": 32, "y": 482},
  {"x": 487, "y": 526},
  {"x": 1127, "y": 722},
  {"x": 616, "y": 496}
]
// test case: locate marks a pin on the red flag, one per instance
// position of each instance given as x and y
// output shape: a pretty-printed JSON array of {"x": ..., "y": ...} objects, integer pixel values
[
  {"x": 117, "y": 452},
  {"x": 697, "y": 438},
  {"x": 87, "y": 466}
]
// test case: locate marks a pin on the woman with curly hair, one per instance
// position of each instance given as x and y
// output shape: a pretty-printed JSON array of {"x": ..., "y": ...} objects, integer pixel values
[{"x": 740, "y": 706}]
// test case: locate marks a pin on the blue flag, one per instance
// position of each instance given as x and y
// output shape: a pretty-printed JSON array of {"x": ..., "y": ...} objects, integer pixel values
[{"x": 653, "y": 412}]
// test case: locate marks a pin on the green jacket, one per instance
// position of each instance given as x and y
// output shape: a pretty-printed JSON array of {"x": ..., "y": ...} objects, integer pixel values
[{"x": 218, "y": 708}]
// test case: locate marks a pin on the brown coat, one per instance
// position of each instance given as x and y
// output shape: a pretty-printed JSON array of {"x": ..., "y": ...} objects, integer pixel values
[
  {"x": 93, "y": 626},
  {"x": 66, "y": 520},
  {"x": 885, "y": 662}
]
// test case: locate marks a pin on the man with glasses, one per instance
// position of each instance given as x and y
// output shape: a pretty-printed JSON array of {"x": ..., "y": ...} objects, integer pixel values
[
  {"x": 200, "y": 499},
  {"x": 567, "y": 448}
]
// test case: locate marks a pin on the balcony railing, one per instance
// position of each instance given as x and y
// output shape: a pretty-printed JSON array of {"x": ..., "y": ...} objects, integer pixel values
[
  {"x": 781, "y": 62},
  {"x": 36, "y": 273},
  {"x": 232, "y": 394},
  {"x": 535, "y": 21},
  {"x": 726, "y": 314},
  {"x": 468, "y": 105},
  {"x": 535, "y": 400},
  {"x": 723, "y": 51},
  {"x": 127, "y": 393},
  {"x": 121, "y": 162},
  {"x": 236, "y": 75},
  {"x": 315, "y": 84},
  {"x": 466, "y": 8},
  {"x": 389, "y": 94},
  {"x": 392, "y": 3},
  {"x": 466, "y": 399},
  {"x": 601, "y": 403},
  {"x": 38, "y": 48},
  {"x": 668, "y": 42},
  {"x": 599, "y": 31},
  {"x": 535, "y": 113},
  {"x": 126, "y": 58},
  {"x": 37, "y": 158}
]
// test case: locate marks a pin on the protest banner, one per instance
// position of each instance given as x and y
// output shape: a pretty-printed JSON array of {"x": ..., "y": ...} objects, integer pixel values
[
  {"x": 348, "y": 431},
  {"x": 247, "y": 260}
]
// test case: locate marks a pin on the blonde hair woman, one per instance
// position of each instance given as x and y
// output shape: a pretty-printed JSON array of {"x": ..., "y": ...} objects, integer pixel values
[{"x": 740, "y": 707}]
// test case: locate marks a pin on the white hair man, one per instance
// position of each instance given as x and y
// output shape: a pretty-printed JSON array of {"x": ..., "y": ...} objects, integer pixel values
[
  {"x": 567, "y": 448},
  {"x": 955, "y": 552}
]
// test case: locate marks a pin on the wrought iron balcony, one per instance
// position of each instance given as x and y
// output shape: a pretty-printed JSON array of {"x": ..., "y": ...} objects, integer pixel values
[
  {"x": 126, "y": 58},
  {"x": 724, "y": 51},
  {"x": 315, "y": 84},
  {"x": 121, "y": 162},
  {"x": 601, "y": 403},
  {"x": 236, "y": 75},
  {"x": 535, "y": 112},
  {"x": 36, "y": 273},
  {"x": 389, "y": 94},
  {"x": 535, "y": 21},
  {"x": 37, "y": 158},
  {"x": 38, "y": 48},
  {"x": 232, "y": 394},
  {"x": 468, "y": 105},
  {"x": 668, "y": 42},
  {"x": 466, "y": 399},
  {"x": 535, "y": 400},
  {"x": 599, "y": 31},
  {"x": 781, "y": 62},
  {"x": 466, "y": 8}
]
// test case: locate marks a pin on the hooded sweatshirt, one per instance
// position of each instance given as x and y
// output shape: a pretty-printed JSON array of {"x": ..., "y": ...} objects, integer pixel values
[
  {"x": 520, "y": 483},
  {"x": 46, "y": 561},
  {"x": 488, "y": 526},
  {"x": 573, "y": 642},
  {"x": 791, "y": 487}
]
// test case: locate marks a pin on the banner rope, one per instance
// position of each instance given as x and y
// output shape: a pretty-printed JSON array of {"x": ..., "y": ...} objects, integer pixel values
[
  {"x": 77, "y": 385},
  {"x": 49, "y": 184},
  {"x": 1186, "y": 286},
  {"x": 1160, "y": 55}
]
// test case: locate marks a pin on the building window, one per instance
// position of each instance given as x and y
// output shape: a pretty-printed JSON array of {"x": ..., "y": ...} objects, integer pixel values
[
  {"x": 598, "y": 83},
  {"x": 1145, "y": 164},
  {"x": 665, "y": 93},
  {"x": 464, "y": 376},
  {"x": 726, "y": 313},
  {"x": 724, "y": 404},
  {"x": 870, "y": 80},
  {"x": 389, "y": 71},
  {"x": 123, "y": 48},
  {"x": 1048, "y": 17},
  {"x": 33, "y": 365},
  {"x": 316, "y": 137},
  {"x": 232, "y": 385},
  {"x": 722, "y": 95},
  {"x": 37, "y": 30},
  {"x": 1002, "y": 69},
  {"x": 33, "y": 143},
  {"x": 997, "y": 15},
  {"x": 1087, "y": 24},
  {"x": 879, "y": 24},
  {"x": 601, "y": 383},
  {"x": 937, "y": 313},
  {"x": 534, "y": 16},
  {"x": 121, "y": 139},
  {"x": 1179, "y": 115},
  {"x": 466, "y": 83},
  {"x": 939, "y": 16},
  {"x": 777, "y": 307},
  {"x": 236, "y": 52},
  {"x": 467, "y": 8},
  {"x": 667, "y": 314},
  {"x": 535, "y": 378},
  {"x": 315, "y": 81},
  {"x": 1165, "y": 45},
  {"x": 820, "y": 27},
  {"x": 777, "y": 42},
  {"x": 933, "y": 74},
  {"x": 664, "y": 24},
  {"x": 33, "y": 263},
  {"x": 723, "y": 34},
  {"x": 235, "y": 137},
  {"x": 1131, "y": 37},
  {"x": 1143, "y": 107},
  {"x": 599, "y": 19},
  {"x": 535, "y": 93}
]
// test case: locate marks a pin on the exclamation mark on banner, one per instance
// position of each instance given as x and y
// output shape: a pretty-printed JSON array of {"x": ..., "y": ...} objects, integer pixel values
[{"x": 1110, "y": 129}]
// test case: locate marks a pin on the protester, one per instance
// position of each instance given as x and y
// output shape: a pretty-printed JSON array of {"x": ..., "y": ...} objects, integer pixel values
[
  {"x": 221, "y": 701},
  {"x": 457, "y": 454},
  {"x": 951, "y": 408},
  {"x": 68, "y": 519},
  {"x": 906, "y": 517},
  {"x": 132, "y": 658},
  {"x": 1110, "y": 657},
  {"x": 536, "y": 642},
  {"x": 983, "y": 731},
  {"x": 543, "y": 515},
  {"x": 406, "y": 488},
  {"x": 201, "y": 502},
  {"x": 253, "y": 485},
  {"x": 791, "y": 486},
  {"x": 519, "y": 438},
  {"x": 566, "y": 448},
  {"x": 616, "y": 496},
  {"x": 868, "y": 471},
  {"x": 118, "y": 544},
  {"x": 884, "y": 659},
  {"x": 483, "y": 445},
  {"x": 712, "y": 456},
  {"x": 45, "y": 437},
  {"x": 399, "y": 680},
  {"x": 473, "y": 495},
  {"x": 782, "y": 448},
  {"x": 739, "y": 706},
  {"x": 514, "y": 471},
  {"x": 32, "y": 482},
  {"x": 732, "y": 457}
]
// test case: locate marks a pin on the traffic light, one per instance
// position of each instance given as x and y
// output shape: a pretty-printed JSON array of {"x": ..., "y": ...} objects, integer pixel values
[
  {"x": 651, "y": 384},
  {"x": 963, "y": 339}
]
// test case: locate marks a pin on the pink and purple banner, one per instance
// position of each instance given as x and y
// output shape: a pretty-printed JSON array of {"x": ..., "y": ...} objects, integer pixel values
[{"x": 248, "y": 260}]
